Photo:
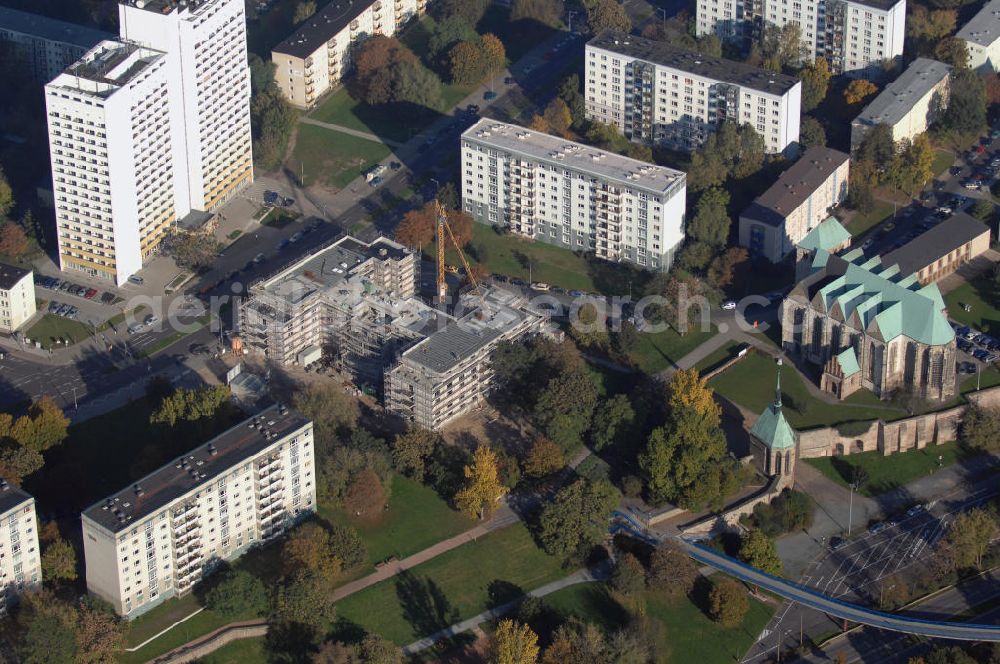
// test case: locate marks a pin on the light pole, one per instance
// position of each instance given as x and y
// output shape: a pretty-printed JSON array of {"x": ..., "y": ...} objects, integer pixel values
[
  {"x": 850, "y": 508},
  {"x": 570, "y": 14},
  {"x": 663, "y": 12},
  {"x": 75, "y": 406}
]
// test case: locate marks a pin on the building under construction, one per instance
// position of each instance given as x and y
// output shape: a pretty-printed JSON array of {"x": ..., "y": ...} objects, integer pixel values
[{"x": 356, "y": 303}]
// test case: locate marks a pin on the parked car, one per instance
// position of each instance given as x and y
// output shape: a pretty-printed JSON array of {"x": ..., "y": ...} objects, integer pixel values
[
  {"x": 540, "y": 286},
  {"x": 876, "y": 528},
  {"x": 489, "y": 95},
  {"x": 729, "y": 305},
  {"x": 152, "y": 319},
  {"x": 295, "y": 238},
  {"x": 136, "y": 279},
  {"x": 837, "y": 543},
  {"x": 53, "y": 306},
  {"x": 271, "y": 197},
  {"x": 135, "y": 328},
  {"x": 259, "y": 258},
  {"x": 107, "y": 298},
  {"x": 91, "y": 292}
]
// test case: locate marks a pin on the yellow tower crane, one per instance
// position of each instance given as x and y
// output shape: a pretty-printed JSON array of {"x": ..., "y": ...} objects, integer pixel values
[{"x": 442, "y": 227}]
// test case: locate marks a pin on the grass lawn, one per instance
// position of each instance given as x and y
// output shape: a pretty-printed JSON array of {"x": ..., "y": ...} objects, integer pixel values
[
  {"x": 655, "y": 352},
  {"x": 719, "y": 357},
  {"x": 982, "y": 295},
  {"x": 509, "y": 255},
  {"x": 245, "y": 651},
  {"x": 332, "y": 158},
  {"x": 454, "y": 586},
  {"x": 50, "y": 328},
  {"x": 750, "y": 383},
  {"x": 342, "y": 109},
  {"x": 861, "y": 223},
  {"x": 687, "y": 634},
  {"x": 943, "y": 159},
  {"x": 889, "y": 472},
  {"x": 417, "y": 518},
  {"x": 279, "y": 218}
]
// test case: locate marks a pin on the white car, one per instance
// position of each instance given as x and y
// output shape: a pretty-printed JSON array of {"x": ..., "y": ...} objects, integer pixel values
[
  {"x": 729, "y": 305},
  {"x": 540, "y": 286}
]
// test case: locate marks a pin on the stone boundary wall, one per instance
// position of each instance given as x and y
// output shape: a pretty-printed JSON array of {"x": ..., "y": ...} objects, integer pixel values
[
  {"x": 213, "y": 641},
  {"x": 731, "y": 517},
  {"x": 912, "y": 433}
]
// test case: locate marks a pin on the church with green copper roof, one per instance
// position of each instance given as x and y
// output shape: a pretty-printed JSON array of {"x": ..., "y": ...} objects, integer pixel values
[{"x": 868, "y": 326}]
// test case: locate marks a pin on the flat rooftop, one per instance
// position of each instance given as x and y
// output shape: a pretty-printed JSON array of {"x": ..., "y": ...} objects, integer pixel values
[
  {"x": 984, "y": 28},
  {"x": 11, "y": 496},
  {"x": 795, "y": 185},
  {"x": 884, "y": 5},
  {"x": 327, "y": 267},
  {"x": 938, "y": 242},
  {"x": 166, "y": 6},
  {"x": 10, "y": 275},
  {"x": 196, "y": 469},
  {"x": 898, "y": 98},
  {"x": 718, "y": 69},
  {"x": 563, "y": 153},
  {"x": 106, "y": 68},
  {"x": 326, "y": 24},
  {"x": 50, "y": 29}
]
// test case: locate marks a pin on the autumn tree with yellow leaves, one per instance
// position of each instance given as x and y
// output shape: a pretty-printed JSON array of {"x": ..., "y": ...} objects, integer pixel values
[{"x": 483, "y": 488}]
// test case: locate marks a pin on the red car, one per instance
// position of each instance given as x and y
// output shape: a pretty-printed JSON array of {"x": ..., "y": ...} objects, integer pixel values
[{"x": 91, "y": 292}]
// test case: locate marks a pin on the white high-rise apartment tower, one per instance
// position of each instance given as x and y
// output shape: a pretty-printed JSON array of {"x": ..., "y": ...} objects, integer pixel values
[
  {"x": 205, "y": 43},
  {"x": 146, "y": 129},
  {"x": 20, "y": 558},
  {"x": 855, "y": 36}
]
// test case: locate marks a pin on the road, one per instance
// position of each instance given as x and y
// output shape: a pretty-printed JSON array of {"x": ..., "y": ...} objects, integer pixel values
[{"x": 809, "y": 597}]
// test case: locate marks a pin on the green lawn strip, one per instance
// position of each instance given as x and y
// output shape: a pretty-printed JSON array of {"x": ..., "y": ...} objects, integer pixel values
[
  {"x": 979, "y": 294},
  {"x": 244, "y": 651},
  {"x": 864, "y": 221},
  {"x": 718, "y": 357},
  {"x": 655, "y": 352},
  {"x": 452, "y": 587},
  {"x": 333, "y": 158},
  {"x": 162, "y": 617},
  {"x": 688, "y": 635},
  {"x": 51, "y": 328},
  {"x": 943, "y": 159},
  {"x": 416, "y": 519},
  {"x": 279, "y": 217},
  {"x": 508, "y": 255},
  {"x": 342, "y": 109},
  {"x": 750, "y": 383},
  {"x": 889, "y": 472}
]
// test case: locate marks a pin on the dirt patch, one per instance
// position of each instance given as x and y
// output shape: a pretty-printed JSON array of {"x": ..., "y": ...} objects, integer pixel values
[{"x": 511, "y": 434}]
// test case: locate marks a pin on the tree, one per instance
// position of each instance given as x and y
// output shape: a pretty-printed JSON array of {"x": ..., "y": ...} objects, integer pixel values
[
  {"x": 332, "y": 410},
  {"x": 911, "y": 167},
  {"x": 46, "y": 630},
  {"x": 695, "y": 256},
  {"x": 966, "y": 112},
  {"x": 950, "y": 655},
  {"x": 757, "y": 549},
  {"x": 13, "y": 240},
  {"x": 604, "y": 15},
  {"x": 100, "y": 635},
  {"x": 858, "y": 90},
  {"x": 374, "y": 62},
  {"x": 513, "y": 643},
  {"x": 376, "y": 649},
  {"x": 466, "y": 66},
  {"x": 877, "y": 147},
  {"x": 272, "y": 120},
  {"x": 728, "y": 603},
  {"x": 18, "y": 462},
  {"x": 193, "y": 250},
  {"x": 417, "y": 227},
  {"x": 681, "y": 456},
  {"x": 925, "y": 27},
  {"x": 671, "y": 570},
  {"x": 365, "y": 495},
  {"x": 628, "y": 576},
  {"x": 815, "y": 79},
  {"x": 304, "y": 10},
  {"x": 558, "y": 117},
  {"x": 577, "y": 518},
  {"x": 970, "y": 534},
  {"x": 191, "y": 405},
  {"x": 612, "y": 419},
  {"x": 335, "y": 652},
  {"x": 811, "y": 133},
  {"x": 59, "y": 561},
  {"x": 237, "y": 593},
  {"x": 546, "y": 12},
  {"x": 711, "y": 220},
  {"x": 410, "y": 451},
  {"x": 415, "y": 84},
  {"x": 446, "y": 33},
  {"x": 569, "y": 92},
  {"x": 952, "y": 51},
  {"x": 308, "y": 548},
  {"x": 565, "y": 406},
  {"x": 981, "y": 428},
  {"x": 305, "y": 602},
  {"x": 483, "y": 489},
  {"x": 41, "y": 428},
  {"x": 470, "y": 12},
  {"x": 347, "y": 545},
  {"x": 728, "y": 267},
  {"x": 6, "y": 195},
  {"x": 779, "y": 47},
  {"x": 544, "y": 458},
  {"x": 493, "y": 53}
]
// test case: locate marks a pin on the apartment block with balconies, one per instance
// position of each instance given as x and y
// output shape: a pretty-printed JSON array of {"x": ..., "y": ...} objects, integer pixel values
[
  {"x": 20, "y": 557},
  {"x": 657, "y": 94},
  {"x": 157, "y": 538},
  {"x": 17, "y": 297},
  {"x": 553, "y": 190},
  {"x": 314, "y": 59}
]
